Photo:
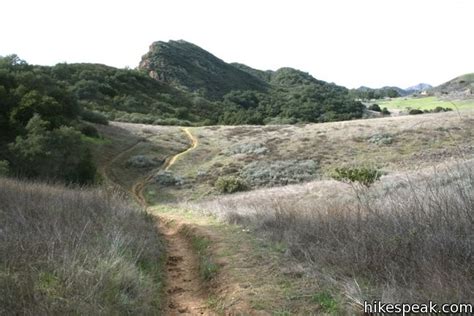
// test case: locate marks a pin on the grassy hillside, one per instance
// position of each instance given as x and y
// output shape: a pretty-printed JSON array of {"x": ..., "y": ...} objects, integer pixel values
[
  {"x": 287, "y": 154},
  {"x": 461, "y": 87},
  {"x": 395, "y": 241},
  {"x": 75, "y": 251},
  {"x": 345, "y": 242}
]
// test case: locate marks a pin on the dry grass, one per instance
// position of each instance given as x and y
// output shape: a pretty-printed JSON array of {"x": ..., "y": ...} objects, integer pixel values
[
  {"x": 391, "y": 144},
  {"x": 75, "y": 251},
  {"x": 408, "y": 238},
  {"x": 124, "y": 142}
]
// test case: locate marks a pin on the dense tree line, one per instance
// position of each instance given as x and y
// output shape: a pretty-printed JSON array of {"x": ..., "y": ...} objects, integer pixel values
[
  {"x": 40, "y": 127},
  {"x": 295, "y": 97},
  {"x": 365, "y": 93}
]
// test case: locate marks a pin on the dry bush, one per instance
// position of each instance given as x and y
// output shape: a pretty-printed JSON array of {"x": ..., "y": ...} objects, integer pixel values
[
  {"x": 75, "y": 251},
  {"x": 280, "y": 172},
  {"x": 142, "y": 161},
  {"x": 406, "y": 238},
  {"x": 255, "y": 148}
]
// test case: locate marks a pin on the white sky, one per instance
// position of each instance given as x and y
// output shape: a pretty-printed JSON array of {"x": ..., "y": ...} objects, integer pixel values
[{"x": 349, "y": 42}]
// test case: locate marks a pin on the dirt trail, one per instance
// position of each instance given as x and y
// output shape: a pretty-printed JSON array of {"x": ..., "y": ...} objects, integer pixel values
[
  {"x": 185, "y": 292},
  {"x": 194, "y": 144},
  {"x": 137, "y": 189}
]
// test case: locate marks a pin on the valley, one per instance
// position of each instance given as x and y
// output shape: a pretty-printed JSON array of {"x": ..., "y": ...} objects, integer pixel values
[
  {"x": 195, "y": 186},
  {"x": 232, "y": 230}
]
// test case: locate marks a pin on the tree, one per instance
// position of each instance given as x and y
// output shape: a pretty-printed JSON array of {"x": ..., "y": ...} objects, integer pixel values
[{"x": 58, "y": 154}]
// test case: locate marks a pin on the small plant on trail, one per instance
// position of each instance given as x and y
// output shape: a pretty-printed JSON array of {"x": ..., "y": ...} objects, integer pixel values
[
  {"x": 327, "y": 302},
  {"x": 207, "y": 268},
  {"x": 365, "y": 176},
  {"x": 230, "y": 184}
]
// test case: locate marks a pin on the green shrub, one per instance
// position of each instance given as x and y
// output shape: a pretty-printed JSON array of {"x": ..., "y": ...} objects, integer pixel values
[
  {"x": 385, "y": 111},
  {"x": 365, "y": 176},
  {"x": 374, "y": 107},
  {"x": 141, "y": 161},
  {"x": 88, "y": 130},
  {"x": 279, "y": 172},
  {"x": 230, "y": 184},
  {"x": 382, "y": 139},
  {"x": 167, "y": 178},
  {"x": 441, "y": 109},
  {"x": 415, "y": 112},
  {"x": 58, "y": 154},
  {"x": 327, "y": 302},
  {"x": 4, "y": 168},
  {"x": 94, "y": 117}
]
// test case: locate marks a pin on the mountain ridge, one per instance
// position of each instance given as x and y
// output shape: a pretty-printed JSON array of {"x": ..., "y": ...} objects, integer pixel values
[{"x": 189, "y": 67}]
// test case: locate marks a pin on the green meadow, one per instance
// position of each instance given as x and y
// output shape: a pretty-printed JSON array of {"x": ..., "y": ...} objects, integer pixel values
[{"x": 425, "y": 103}]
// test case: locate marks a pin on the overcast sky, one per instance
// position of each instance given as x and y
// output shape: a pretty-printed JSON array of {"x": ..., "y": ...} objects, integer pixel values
[{"x": 349, "y": 42}]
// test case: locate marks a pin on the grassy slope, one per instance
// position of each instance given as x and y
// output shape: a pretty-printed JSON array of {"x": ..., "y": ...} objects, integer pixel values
[
  {"x": 75, "y": 251},
  {"x": 398, "y": 143},
  {"x": 394, "y": 241},
  {"x": 425, "y": 103},
  {"x": 245, "y": 274},
  {"x": 265, "y": 283}
]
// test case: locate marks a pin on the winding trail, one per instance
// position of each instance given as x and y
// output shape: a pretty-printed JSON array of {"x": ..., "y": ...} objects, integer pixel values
[
  {"x": 194, "y": 144},
  {"x": 139, "y": 186},
  {"x": 186, "y": 294},
  {"x": 185, "y": 291}
]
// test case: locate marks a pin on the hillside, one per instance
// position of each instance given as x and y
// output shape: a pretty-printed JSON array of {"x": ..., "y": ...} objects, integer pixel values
[
  {"x": 129, "y": 95},
  {"x": 246, "y": 95},
  {"x": 461, "y": 87},
  {"x": 419, "y": 87},
  {"x": 367, "y": 93},
  {"x": 306, "y": 223},
  {"x": 187, "y": 66},
  {"x": 71, "y": 251}
]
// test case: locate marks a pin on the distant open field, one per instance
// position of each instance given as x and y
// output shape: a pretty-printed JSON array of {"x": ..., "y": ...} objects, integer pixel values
[{"x": 425, "y": 103}]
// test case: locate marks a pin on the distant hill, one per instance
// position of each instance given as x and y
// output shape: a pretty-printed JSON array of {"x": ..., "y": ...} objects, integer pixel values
[
  {"x": 461, "y": 87},
  {"x": 367, "y": 93},
  {"x": 187, "y": 66},
  {"x": 246, "y": 95},
  {"x": 388, "y": 91},
  {"x": 264, "y": 75},
  {"x": 419, "y": 87},
  {"x": 177, "y": 83}
]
